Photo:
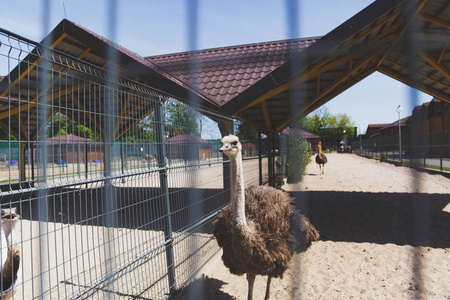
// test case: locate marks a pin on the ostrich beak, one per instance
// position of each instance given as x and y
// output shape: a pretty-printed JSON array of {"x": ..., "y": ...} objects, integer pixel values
[
  {"x": 11, "y": 216},
  {"x": 224, "y": 148}
]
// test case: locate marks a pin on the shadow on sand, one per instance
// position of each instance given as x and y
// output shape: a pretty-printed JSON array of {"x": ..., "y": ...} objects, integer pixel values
[
  {"x": 202, "y": 288},
  {"x": 398, "y": 218},
  {"x": 133, "y": 208}
]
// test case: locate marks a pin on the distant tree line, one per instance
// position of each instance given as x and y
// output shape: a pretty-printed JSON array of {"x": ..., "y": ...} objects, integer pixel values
[
  {"x": 178, "y": 119},
  {"x": 320, "y": 122},
  {"x": 329, "y": 127}
]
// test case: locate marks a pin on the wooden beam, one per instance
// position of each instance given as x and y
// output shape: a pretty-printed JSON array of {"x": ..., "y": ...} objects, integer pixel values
[
  {"x": 22, "y": 128},
  {"x": 322, "y": 67},
  {"x": 266, "y": 115},
  {"x": 417, "y": 74},
  {"x": 38, "y": 130},
  {"x": 86, "y": 112},
  {"x": 318, "y": 101},
  {"x": 33, "y": 102},
  {"x": 434, "y": 64},
  {"x": 33, "y": 65},
  {"x": 444, "y": 49},
  {"x": 11, "y": 130},
  {"x": 241, "y": 117},
  {"x": 416, "y": 85},
  {"x": 336, "y": 84},
  {"x": 140, "y": 119},
  {"x": 347, "y": 74},
  {"x": 434, "y": 20}
]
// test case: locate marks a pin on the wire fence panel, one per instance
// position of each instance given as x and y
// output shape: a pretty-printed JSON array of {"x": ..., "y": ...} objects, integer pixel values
[
  {"x": 430, "y": 150},
  {"x": 115, "y": 189}
]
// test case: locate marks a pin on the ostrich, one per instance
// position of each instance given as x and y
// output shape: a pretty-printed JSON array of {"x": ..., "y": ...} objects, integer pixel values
[
  {"x": 11, "y": 271},
  {"x": 321, "y": 160},
  {"x": 260, "y": 229}
]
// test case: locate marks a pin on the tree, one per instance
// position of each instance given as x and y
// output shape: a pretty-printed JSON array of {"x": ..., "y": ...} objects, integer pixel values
[
  {"x": 61, "y": 125},
  {"x": 298, "y": 158},
  {"x": 142, "y": 132},
  {"x": 178, "y": 119},
  {"x": 6, "y": 135},
  {"x": 181, "y": 119},
  {"x": 316, "y": 121},
  {"x": 246, "y": 132},
  {"x": 329, "y": 127}
]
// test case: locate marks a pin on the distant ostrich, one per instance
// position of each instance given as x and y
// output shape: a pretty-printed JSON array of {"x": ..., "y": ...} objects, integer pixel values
[
  {"x": 321, "y": 160},
  {"x": 11, "y": 269},
  {"x": 260, "y": 229}
]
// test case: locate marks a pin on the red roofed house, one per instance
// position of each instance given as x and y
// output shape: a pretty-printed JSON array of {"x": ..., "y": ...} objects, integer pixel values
[
  {"x": 188, "y": 147},
  {"x": 372, "y": 129},
  {"x": 310, "y": 137},
  {"x": 71, "y": 149},
  {"x": 391, "y": 130},
  {"x": 249, "y": 147},
  {"x": 386, "y": 135}
]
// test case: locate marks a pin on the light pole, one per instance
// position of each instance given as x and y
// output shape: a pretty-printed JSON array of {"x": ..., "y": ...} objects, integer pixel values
[
  {"x": 360, "y": 146},
  {"x": 399, "y": 110}
]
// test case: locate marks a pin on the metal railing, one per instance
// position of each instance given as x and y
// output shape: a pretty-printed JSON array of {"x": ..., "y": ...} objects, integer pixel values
[
  {"x": 430, "y": 150},
  {"x": 108, "y": 206}
]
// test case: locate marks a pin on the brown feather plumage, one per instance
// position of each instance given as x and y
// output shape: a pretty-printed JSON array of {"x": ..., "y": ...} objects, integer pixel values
[
  {"x": 321, "y": 159},
  {"x": 275, "y": 230},
  {"x": 9, "y": 271}
]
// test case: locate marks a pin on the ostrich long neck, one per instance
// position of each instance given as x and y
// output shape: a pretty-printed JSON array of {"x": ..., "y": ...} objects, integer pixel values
[
  {"x": 237, "y": 190},
  {"x": 9, "y": 231}
]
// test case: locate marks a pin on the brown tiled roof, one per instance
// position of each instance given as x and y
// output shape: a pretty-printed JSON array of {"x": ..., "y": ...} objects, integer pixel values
[
  {"x": 220, "y": 74},
  {"x": 301, "y": 133},
  {"x": 395, "y": 124},
  {"x": 377, "y": 125}
]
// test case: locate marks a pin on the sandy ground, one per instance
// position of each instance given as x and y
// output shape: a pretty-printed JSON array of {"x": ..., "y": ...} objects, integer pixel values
[
  {"x": 61, "y": 259},
  {"x": 384, "y": 235}
]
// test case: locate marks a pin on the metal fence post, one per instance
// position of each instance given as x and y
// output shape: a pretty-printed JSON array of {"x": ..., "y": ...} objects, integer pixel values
[
  {"x": 441, "y": 149},
  {"x": 260, "y": 158},
  {"x": 271, "y": 155},
  {"x": 165, "y": 193}
]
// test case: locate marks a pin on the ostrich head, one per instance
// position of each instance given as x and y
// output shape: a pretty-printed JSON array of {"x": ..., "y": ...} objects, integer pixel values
[
  {"x": 231, "y": 146},
  {"x": 9, "y": 219}
]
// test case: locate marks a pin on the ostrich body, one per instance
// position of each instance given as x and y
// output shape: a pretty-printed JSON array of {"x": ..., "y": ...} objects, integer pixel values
[
  {"x": 260, "y": 229},
  {"x": 321, "y": 160},
  {"x": 11, "y": 269}
]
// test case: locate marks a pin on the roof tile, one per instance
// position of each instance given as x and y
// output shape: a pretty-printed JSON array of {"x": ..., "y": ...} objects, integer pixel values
[{"x": 228, "y": 71}]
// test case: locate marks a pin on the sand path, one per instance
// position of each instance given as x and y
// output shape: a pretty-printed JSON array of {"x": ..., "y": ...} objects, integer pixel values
[{"x": 384, "y": 235}]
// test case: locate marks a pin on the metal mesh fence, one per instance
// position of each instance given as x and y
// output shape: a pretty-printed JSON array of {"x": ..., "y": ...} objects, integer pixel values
[
  {"x": 113, "y": 202},
  {"x": 115, "y": 189},
  {"x": 429, "y": 150}
]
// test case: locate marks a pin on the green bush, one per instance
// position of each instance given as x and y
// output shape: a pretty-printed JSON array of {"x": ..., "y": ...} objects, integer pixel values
[
  {"x": 383, "y": 156},
  {"x": 298, "y": 158}
]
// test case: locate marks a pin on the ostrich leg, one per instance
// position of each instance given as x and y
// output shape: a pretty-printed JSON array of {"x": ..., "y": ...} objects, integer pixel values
[
  {"x": 267, "y": 297},
  {"x": 251, "y": 281}
]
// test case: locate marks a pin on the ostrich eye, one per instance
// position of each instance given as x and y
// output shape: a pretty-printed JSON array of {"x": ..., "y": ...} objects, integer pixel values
[
  {"x": 3, "y": 212},
  {"x": 234, "y": 143}
]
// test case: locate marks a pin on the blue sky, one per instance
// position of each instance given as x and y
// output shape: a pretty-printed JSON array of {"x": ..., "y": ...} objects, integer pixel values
[{"x": 152, "y": 27}]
